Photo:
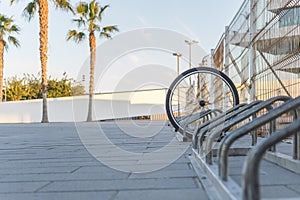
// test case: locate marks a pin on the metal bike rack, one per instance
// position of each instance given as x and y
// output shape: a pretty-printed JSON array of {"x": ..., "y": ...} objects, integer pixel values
[
  {"x": 204, "y": 125},
  {"x": 223, "y": 122},
  {"x": 270, "y": 116},
  {"x": 239, "y": 118},
  {"x": 218, "y": 122},
  {"x": 250, "y": 180},
  {"x": 198, "y": 116}
]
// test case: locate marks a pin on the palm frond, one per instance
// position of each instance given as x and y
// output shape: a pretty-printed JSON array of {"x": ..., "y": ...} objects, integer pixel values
[
  {"x": 64, "y": 4},
  {"x": 71, "y": 34},
  {"x": 7, "y": 23},
  {"x": 76, "y": 36},
  {"x": 107, "y": 30},
  {"x": 13, "y": 41},
  {"x": 14, "y": 29},
  {"x": 93, "y": 9},
  {"x": 102, "y": 9},
  {"x": 12, "y": 1},
  {"x": 5, "y": 45},
  {"x": 80, "y": 22},
  {"x": 94, "y": 27},
  {"x": 30, "y": 10},
  {"x": 7, "y": 28},
  {"x": 82, "y": 8},
  {"x": 110, "y": 29},
  {"x": 105, "y": 34}
]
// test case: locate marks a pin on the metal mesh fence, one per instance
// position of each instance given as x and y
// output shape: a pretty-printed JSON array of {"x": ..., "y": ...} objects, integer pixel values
[{"x": 260, "y": 50}]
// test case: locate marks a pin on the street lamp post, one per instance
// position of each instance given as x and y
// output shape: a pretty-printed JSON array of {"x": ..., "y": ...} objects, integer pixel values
[
  {"x": 190, "y": 43},
  {"x": 178, "y": 55}
]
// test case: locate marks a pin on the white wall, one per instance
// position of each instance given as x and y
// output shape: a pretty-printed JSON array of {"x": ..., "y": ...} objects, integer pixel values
[{"x": 69, "y": 109}]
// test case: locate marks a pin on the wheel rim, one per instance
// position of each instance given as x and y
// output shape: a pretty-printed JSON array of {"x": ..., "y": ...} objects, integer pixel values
[{"x": 196, "y": 91}]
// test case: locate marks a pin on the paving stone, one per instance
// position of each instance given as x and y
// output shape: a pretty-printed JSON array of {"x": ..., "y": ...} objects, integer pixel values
[
  {"x": 52, "y": 160},
  {"x": 295, "y": 188},
  {"x": 278, "y": 191},
  {"x": 137, "y": 184},
  {"x": 237, "y": 179},
  {"x": 38, "y": 170},
  {"x": 65, "y": 177},
  {"x": 25, "y": 164},
  {"x": 165, "y": 174},
  {"x": 187, "y": 194},
  {"x": 102, "y": 169},
  {"x": 60, "y": 196},
  {"x": 21, "y": 187}
]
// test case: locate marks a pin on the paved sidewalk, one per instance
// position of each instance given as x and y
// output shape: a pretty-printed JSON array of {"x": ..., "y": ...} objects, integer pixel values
[
  {"x": 275, "y": 181},
  {"x": 49, "y": 161}
]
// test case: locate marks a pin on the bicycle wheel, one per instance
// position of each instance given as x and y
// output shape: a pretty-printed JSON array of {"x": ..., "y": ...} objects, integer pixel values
[{"x": 196, "y": 91}]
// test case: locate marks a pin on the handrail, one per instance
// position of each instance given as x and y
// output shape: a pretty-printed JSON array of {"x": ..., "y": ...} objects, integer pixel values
[
  {"x": 263, "y": 105},
  {"x": 236, "y": 134},
  {"x": 221, "y": 116},
  {"x": 250, "y": 182},
  {"x": 197, "y": 116}
]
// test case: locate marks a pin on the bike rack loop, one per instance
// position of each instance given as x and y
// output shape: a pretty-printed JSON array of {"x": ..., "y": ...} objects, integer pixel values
[
  {"x": 236, "y": 134},
  {"x": 266, "y": 104},
  {"x": 198, "y": 116},
  {"x": 201, "y": 126},
  {"x": 221, "y": 121},
  {"x": 226, "y": 118},
  {"x": 250, "y": 182}
]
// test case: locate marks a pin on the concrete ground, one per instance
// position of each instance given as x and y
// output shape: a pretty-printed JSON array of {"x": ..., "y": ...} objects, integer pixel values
[
  {"x": 115, "y": 160},
  {"x": 49, "y": 161}
]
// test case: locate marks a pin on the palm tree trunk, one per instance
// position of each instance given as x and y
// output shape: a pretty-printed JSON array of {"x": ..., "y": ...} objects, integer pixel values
[
  {"x": 92, "y": 40},
  {"x": 43, "y": 19},
  {"x": 1, "y": 67}
]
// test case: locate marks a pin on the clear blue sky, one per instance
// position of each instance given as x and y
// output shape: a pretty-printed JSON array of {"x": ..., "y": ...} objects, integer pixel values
[{"x": 198, "y": 19}]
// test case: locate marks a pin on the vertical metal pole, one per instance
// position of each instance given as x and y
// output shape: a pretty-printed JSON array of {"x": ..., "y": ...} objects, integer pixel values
[
  {"x": 178, "y": 55},
  {"x": 252, "y": 50},
  {"x": 226, "y": 51},
  {"x": 212, "y": 65},
  {"x": 190, "y": 55},
  {"x": 296, "y": 146},
  {"x": 226, "y": 65},
  {"x": 296, "y": 138},
  {"x": 178, "y": 68}
]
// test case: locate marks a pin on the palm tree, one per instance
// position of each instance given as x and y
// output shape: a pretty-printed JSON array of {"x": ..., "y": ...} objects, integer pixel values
[
  {"x": 7, "y": 29},
  {"x": 89, "y": 21},
  {"x": 29, "y": 12}
]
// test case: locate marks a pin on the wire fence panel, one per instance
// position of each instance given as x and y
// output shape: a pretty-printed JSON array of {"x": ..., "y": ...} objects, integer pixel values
[{"x": 260, "y": 50}]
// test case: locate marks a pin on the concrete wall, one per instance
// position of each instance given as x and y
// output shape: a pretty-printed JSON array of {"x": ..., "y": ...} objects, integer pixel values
[{"x": 71, "y": 109}]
